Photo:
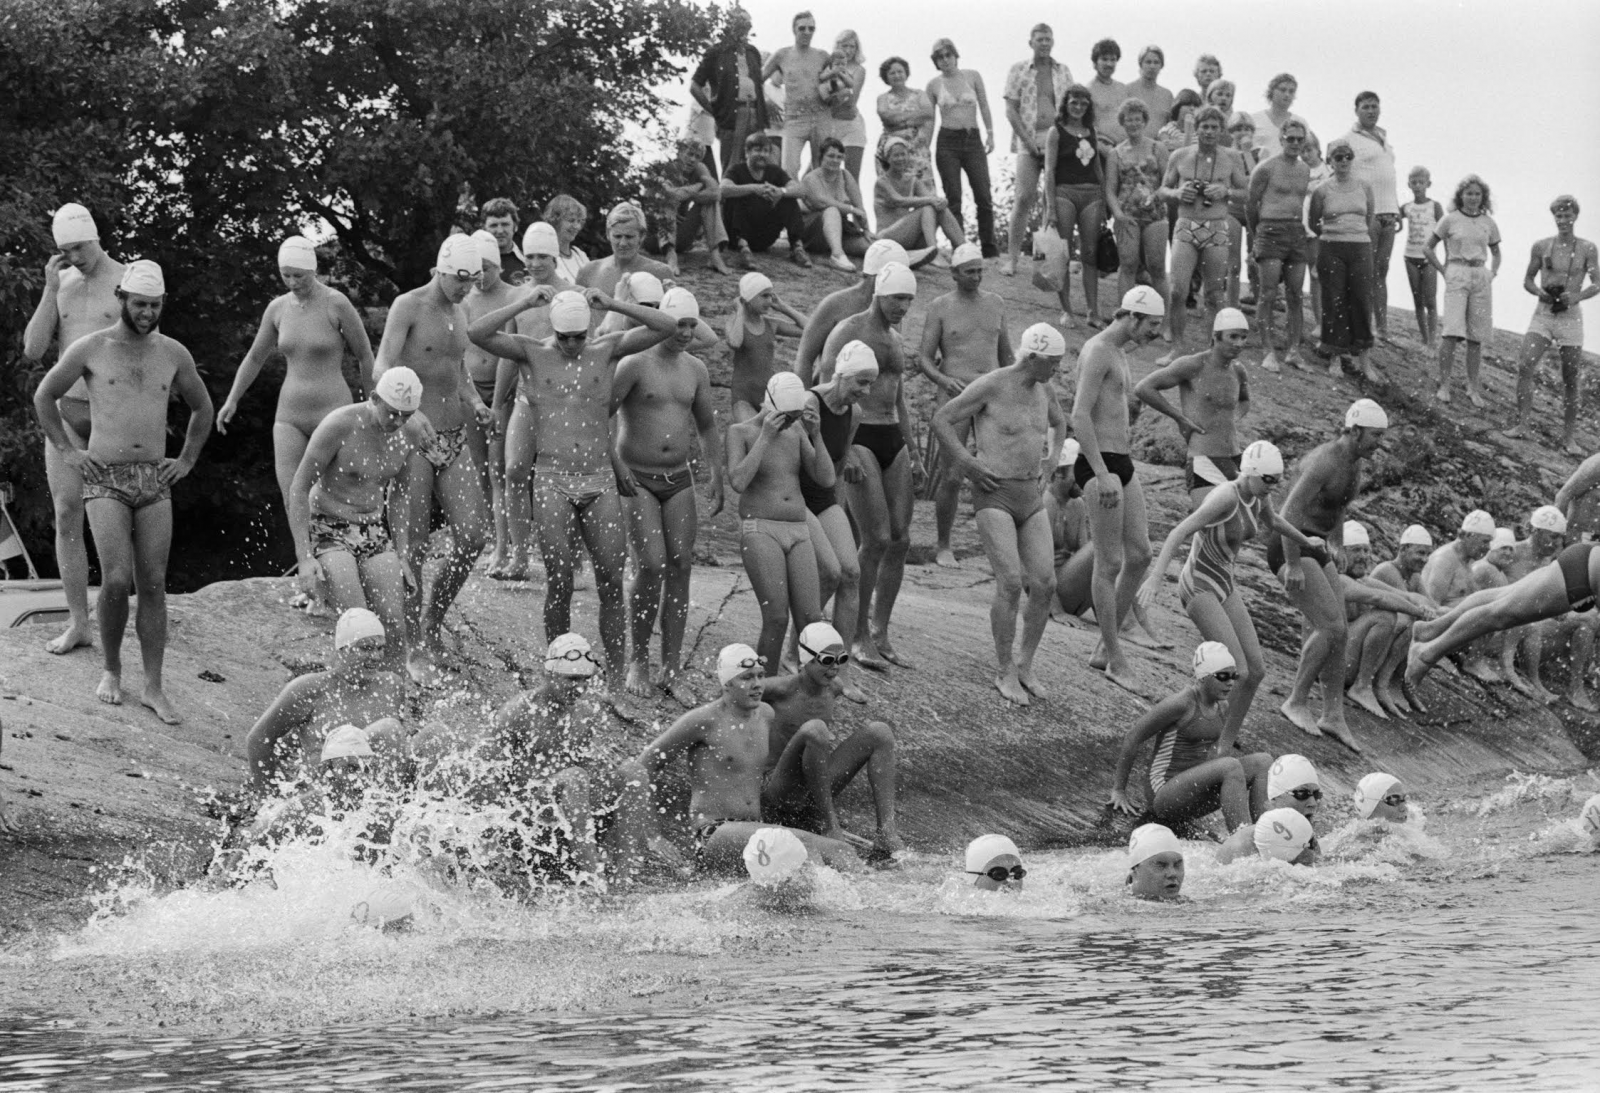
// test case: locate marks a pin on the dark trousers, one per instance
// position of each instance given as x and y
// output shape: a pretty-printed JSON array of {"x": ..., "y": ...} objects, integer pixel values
[
  {"x": 732, "y": 140},
  {"x": 960, "y": 150},
  {"x": 1345, "y": 273},
  {"x": 755, "y": 221}
]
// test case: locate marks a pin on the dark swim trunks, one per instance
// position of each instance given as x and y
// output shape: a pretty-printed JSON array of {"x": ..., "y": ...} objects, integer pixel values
[
  {"x": 664, "y": 486},
  {"x": 1118, "y": 463},
  {"x": 1276, "y": 557},
  {"x": 1018, "y": 498},
  {"x": 885, "y": 442},
  {"x": 362, "y": 541},
  {"x": 1205, "y": 471},
  {"x": 1574, "y": 563},
  {"x": 136, "y": 485}
]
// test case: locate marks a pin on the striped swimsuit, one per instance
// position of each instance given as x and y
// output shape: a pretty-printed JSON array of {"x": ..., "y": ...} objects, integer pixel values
[
  {"x": 1187, "y": 744},
  {"x": 1209, "y": 567}
]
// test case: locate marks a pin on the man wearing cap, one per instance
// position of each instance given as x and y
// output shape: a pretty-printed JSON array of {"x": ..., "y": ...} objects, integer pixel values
[
  {"x": 349, "y": 503},
  {"x": 1403, "y": 573},
  {"x": 840, "y": 305},
  {"x": 567, "y": 379},
  {"x": 1447, "y": 577},
  {"x": 1101, "y": 423},
  {"x": 500, "y": 221},
  {"x": 760, "y": 200},
  {"x": 80, "y": 296},
  {"x": 625, "y": 228},
  {"x": 1380, "y": 617},
  {"x": 1015, "y": 416},
  {"x": 488, "y": 441},
  {"x": 809, "y": 763},
  {"x": 1033, "y": 93},
  {"x": 660, "y": 398},
  {"x": 131, "y": 371},
  {"x": 1155, "y": 863},
  {"x": 1329, "y": 479},
  {"x": 964, "y": 335},
  {"x": 1557, "y": 269},
  {"x": 881, "y": 502},
  {"x": 726, "y": 744},
  {"x": 1214, "y": 396},
  {"x": 1275, "y": 211}
]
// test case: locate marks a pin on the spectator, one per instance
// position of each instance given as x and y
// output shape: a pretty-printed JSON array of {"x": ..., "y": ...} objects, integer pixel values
[
  {"x": 500, "y": 220},
  {"x": 1207, "y": 70},
  {"x": 961, "y": 100},
  {"x": 805, "y": 116},
  {"x": 1269, "y": 122},
  {"x": 1374, "y": 165},
  {"x": 1133, "y": 175},
  {"x": 835, "y": 219},
  {"x": 1075, "y": 176},
  {"x": 908, "y": 210},
  {"x": 1158, "y": 101},
  {"x": 1341, "y": 219},
  {"x": 906, "y": 112},
  {"x": 1562, "y": 263},
  {"x": 1033, "y": 93},
  {"x": 1221, "y": 94},
  {"x": 727, "y": 85},
  {"x": 1421, "y": 213},
  {"x": 1471, "y": 260},
  {"x": 760, "y": 200},
  {"x": 567, "y": 215},
  {"x": 1179, "y": 130},
  {"x": 1107, "y": 92},
  {"x": 1243, "y": 131},
  {"x": 687, "y": 201},
  {"x": 846, "y": 77}
]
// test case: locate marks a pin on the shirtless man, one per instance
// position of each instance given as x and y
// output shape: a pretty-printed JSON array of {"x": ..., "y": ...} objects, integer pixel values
[
  {"x": 80, "y": 296},
  {"x": 131, "y": 370},
  {"x": 1016, "y": 417},
  {"x": 726, "y": 744},
  {"x": 352, "y": 479},
  {"x": 488, "y": 441},
  {"x": 1214, "y": 396},
  {"x": 809, "y": 763},
  {"x": 1202, "y": 178},
  {"x": 1101, "y": 424},
  {"x": 1329, "y": 479},
  {"x": 1547, "y": 534},
  {"x": 625, "y": 228},
  {"x": 1378, "y": 613},
  {"x": 964, "y": 331},
  {"x": 1579, "y": 500},
  {"x": 1373, "y": 660},
  {"x": 567, "y": 379},
  {"x": 880, "y": 502},
  {"x": 1557, "y": 269},
  {"x": 1493, "y": 659},
  {"x": 1275, "y": 212},
  {"x": 838, "y": 306},
  {"x": 1447, "y": 577},
  {"x": 1069, "y": 534},
  {"x": 426, "y": 331},
  {"x": 661, "y": 397}
]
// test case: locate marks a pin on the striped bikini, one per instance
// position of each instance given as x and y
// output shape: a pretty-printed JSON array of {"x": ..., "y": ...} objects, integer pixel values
[{"x": 1209, "y": 567}]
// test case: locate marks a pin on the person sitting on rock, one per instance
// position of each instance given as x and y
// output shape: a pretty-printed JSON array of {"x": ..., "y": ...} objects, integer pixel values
[
  {"x": 1494, "y": 657},
  {"x": 1447, "y": 578},
  {"x": 1380, "y": 616},
  {"x": 1547, "y": 534},
  {"x": 1404, "y": 573}
]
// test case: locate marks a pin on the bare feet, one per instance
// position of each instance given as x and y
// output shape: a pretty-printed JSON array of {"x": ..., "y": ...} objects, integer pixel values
[
  {"x": 887, "y": 651},
  {"x": 866, "y": 655},
  {"x": 638, "y": 681},
  {"x": 1363, "y": 697},
  {"x": 1096, "y": 322},
  {"x": 1011, "y": 688},
  {"x": 678, "y": 689},
  {"x": 848, "y": 688},
  {"x": 516, "y": 570},
  {"x": 1374, "y": 375},
  {"x": 1516, "y": 432},
  {"x": 110, "y": 689},
  {"x": 1297, "y": 362},
  {"x": 1300, "y": 717},
  {"x": 717, "y": 263},
  {"x": 1543, "y": 694},
  {"x": 1408, "y": 688},
  {"x": 1579, "y": 697},
  {"x": 1442, "y": 395},
  {"x": 1026, "y": 677},
  {"x": 71, "y": 638},
  {"x": 887, "y": 843},
  {"x": 1484, "y": 671},
  {"x": 1058, "y": 614},
  {"x": 154, "y": 699},
  {"x": 1475, "y": 397},
  {"x": 1008, "y": 268},
  {"x": 1416, "y": 668},
  {"x": 1068, "y": 321},
  {"x": 1123, "y": 677},
  {"x": 946, "y": 557},
  {"x": 496, "y": 567},
  {"x": 1340, "y": 732},
  {"x": 1270, "y": 363},
  {"x": 1389, "y": 701}
]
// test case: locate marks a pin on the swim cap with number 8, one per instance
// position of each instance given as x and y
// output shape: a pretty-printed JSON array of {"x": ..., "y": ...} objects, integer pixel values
[{"x": 773, "y": 854}]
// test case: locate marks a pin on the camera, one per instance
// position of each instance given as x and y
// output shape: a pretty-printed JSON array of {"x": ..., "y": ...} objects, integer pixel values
[{"x": 1558, "y": 305}]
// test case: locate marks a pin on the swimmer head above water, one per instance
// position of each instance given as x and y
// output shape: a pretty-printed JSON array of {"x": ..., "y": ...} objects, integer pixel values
[
  {"x": 1155, "y": 863},
  {"x": 995, "y": 863}
]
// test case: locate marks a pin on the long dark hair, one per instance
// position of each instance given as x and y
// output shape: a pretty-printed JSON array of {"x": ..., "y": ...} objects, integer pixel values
[{"x": 1082, "y": 92}]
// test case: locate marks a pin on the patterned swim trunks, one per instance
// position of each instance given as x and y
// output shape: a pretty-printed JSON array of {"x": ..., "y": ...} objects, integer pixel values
[
  {"x": 446, "y": 447},
  {"x": 136, "y": 485},
  {"x": 1201, "y": 234},
  {"x": 362, "y": 541}
]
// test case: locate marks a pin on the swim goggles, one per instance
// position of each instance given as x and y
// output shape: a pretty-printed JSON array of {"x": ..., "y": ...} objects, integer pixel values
[
  {"x": 1271, "y": 479},
  {"x": 467, "y": 275},
  {"x": 747, "y": 663},
  {"x": 1303, "y": 794},
  {"x": 827, "y": 660},
  {"x": 1227, "y": 675},
  {"x": 999, "y": 873},
  {"x": 577, "y": 655},
  {"x": 1395, "y": 799}
]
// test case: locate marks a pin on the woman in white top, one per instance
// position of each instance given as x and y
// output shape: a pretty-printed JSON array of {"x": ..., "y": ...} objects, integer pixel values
[
  {"x": 567, "y": 216},
  {"x": 849, "y": 77}
]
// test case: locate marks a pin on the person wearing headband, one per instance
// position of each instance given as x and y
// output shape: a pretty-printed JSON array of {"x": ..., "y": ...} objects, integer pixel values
[
  {"x": 1014, "y": 416},
  {"x": 687, "y": 201},
  {"x": 1213, "y": 395},
  {"x": 661, "y": 397},
  {"x": 485, "y": 439},
  {"x": 581, "y": 478},
  {"x": 625, "y": 231},
  {"x": 1155, "y": 863},
  {"x": 758, "y": 319},
  {"x": 838, "y": 306},
  {"x": 964, "y": 335},
  {"x": 1329, "y": 479},
  {"x": 726, "y": 744},
  {"x": 1380, "y": 620},
  {"x": 761, "y": 201},
  {"x": 80, "y": 297},
  {"x": 907, "y": 208},
  {"x": 131, "y": 371}
]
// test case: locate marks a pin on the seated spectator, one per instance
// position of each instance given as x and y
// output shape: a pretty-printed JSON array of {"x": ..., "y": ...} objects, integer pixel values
[
  {"x": 687, "y": 201},
  {"x": 908, "y": 209},
  {"x": 760, "y": 202},
  {"x": 834, "y": 219}
]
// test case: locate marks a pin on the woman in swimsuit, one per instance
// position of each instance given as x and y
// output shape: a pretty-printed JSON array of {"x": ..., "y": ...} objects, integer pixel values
[
  {"x": 1230, "y": 515},
  {"x": 1133, "y": 175},
  {"x": 960, "y": 99},
  {"x": 753, "y": 336},
  {"x": 313, "y": 326},
  {"x": 1075, "y": 177}
]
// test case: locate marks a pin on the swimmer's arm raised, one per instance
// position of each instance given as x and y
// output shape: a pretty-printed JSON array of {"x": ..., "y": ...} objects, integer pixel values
[
  {"x": 291, "y": 710},
  {"x": 355, "y": 339},
  {"x": 490, "y": 332},
  {"x": 796, "y": 325},
  {"x": 1148, "y": 391},
  {"x": 744, "y": 457},
  {"x": 46, "y": 317},
  {"x": 1163, "y": 714}
]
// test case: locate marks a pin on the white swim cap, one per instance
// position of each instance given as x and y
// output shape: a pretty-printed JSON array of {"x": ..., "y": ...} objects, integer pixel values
[
  {"x": 881, "y": 254},
  {"x": 1229, "y": 318},
  {"x": 1043, "y": 340},
  {"x": 1355, "y": 534},
  {"x": 488, "y": 247},
  {"x": 1477, "y": 522},
  {"x": 965, "y": 254},
  {"x": 296, "y": 252},
  {"x": 785, "y": 393},
  {"x": 1144, "y": 300},
  {"x": 1261, "y": 458},
  {"x": 143, "y": 278},
  {"x": 1548, "y": 518},
  {"x": 1148, "y": 840},
  {"x": 346, "y": 742},
  {"x": 645, "y": 288},
  {"x": 753, "y": 284},
  {"x": 895, "y": 279},
  {"x": 355, "y": 624},
  {"x": 1282, "y": 834},
  {"x": 735, "y": 660},
  {"x": 1290, "y": 772},
  {"x": 986, "y": 848},
  {"x": 390, "y": 903},
  {"x": 1366, "y": 413},
  {"x": 773, "y": 854},
  {"x": 459, "y": 255},
  {"x": 73, "y": 224},
  {"x": 1070, "y": 450},
  {"x": 1211, "y": 657},
  {"x": 541, "y": 238},
  {"x": 1416, "y": 535},
  {"x": 856, "y": 359},
  {"x": 679, "y": 303},
  {"x": 569, "y": 312},
  {"x": 1370, "y": 792},
  {"x": 1502, "y": 537},
  {"x": 625, "y": 212},
  {"x": 816, "y": 638},
  {"x": 1589, "y": 817},
  {"x": 571, "y": 655},
  {"x": 400, "y": 388}
]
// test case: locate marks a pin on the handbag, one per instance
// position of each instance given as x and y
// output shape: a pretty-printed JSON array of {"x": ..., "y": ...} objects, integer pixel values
[
  {"x": 1106, "y": 258},
  {"x": 1050, "y": 273}
]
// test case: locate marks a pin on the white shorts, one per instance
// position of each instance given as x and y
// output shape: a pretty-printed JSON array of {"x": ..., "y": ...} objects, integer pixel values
[
  {"x": 1565, "y": 329},
  {"x": 1468, "y": 310}
]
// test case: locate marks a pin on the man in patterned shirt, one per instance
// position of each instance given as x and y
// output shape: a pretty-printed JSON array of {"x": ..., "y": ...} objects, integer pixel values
[{"x": 1033, "y": 93}]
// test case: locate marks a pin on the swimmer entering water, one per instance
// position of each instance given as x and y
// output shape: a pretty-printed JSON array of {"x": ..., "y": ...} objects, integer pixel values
[
  {"x": 1293, "y": 786},
  {"x": 1382, "y": 796},
  {"x": 996, "y": 862},
  {"x": 1155, "y": 863}
]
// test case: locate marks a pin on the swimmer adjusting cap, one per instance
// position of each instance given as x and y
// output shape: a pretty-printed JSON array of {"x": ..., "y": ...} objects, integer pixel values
[
  {"x": 680, "y": 304},
  {"x": 1477, "y": 522},
  {"x": 817, "y": 638},
  {"x": 785, "y": 394},
  {"x": 773, "y": 854},
  {"x": 1290, "y": 772},
  {"x": 143, "y": 278},
  {"x": 1229, "y": 318},
  {"x": 346, "y": 742},
  {"x": 1416, "y": 535},
  {"x": 1282, "y": 834},
  {"x": 1211, "y": 657},
  {"x": 881, "y": 254},
  {"x": 540, "y": 238},
  {"x": 1355, "y": 534},
  {"x": 73, "y": 224},
  {"x": 459, "y": 255},
  {"x": 1548, "y": 518},
  {"x": 753, "y": 284},
  {"x": 856, "y": 359},
  {"x": 735, "y": 660},
  {"x": 1502, "y": 537},
  {"x": 895, "y": 279},
  {"x": 1148, "y": 840},
  {"x": 354, "y": 625},
  {"x": 1367, "y": 414},
  {"x": 1070, "y": 450},
  {"x": 488, "y": 247},
  {"x": 1261, "y": 457},
  {"x": 400, "y": 388},
  {"x": 296, "y": 252},
  {"x": 986, "y": 848},
  {"x": 569, "y": 312},
  {"x": 644, "y": 288},
  {"x": 570, "y": 655},
  {"x": 1043, "y": 340},
  {"x": 1144, "y": 300},
  {"x": 1370, "y": 792},
  {"x": 966, "y": 254}
]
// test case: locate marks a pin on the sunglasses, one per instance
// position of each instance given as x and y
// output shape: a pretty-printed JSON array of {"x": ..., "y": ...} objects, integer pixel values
[
  {"x": 578, "y": 337},
  {"x": 1271, "y": 479},
  {"x": 999, "y": 873},
  {"x": 827, "y": 660},
  {"x": 1227, "y": 675},
  {"x": 1343, "y": 157},
  {"x": 1395, "y": 799},
  {"x": 1306, "y": 794}
]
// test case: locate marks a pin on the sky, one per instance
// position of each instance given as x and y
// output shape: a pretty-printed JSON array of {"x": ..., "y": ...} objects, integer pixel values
[{"x": 1444, "y": 71}]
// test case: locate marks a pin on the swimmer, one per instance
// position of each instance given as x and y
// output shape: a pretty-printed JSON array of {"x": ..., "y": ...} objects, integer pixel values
[
  {"x": 1589, "y": 820},
  {"x": 1579, "y": 500},
  {"x": 1382, "y": 796},
  {"x": 964, "y": 336},
  {"x": 647, "y": 290},
  {"x": 661, "y": 397},
  {"x": 996, "y": 862},
  {"x": 487, "y": 441},
  {"x": 1447, "y": 577},
  {"x": 625, "y": 228},
  {"x": 312, "y": 325},
  {"x": 1293, "y": 782},
  {"x": 838, "y": 306},
  {"x": 1547, "y": 533},
  {"x": 1155, "y": 863},
  {"x": 1380, "y": 616},
  {"x": 725, "y": 744},
  {"x": 759, "y": 319},
  {"x": 780, "y": 869},
  {"x": 1190, "y": 775},
  {"x": 80, "y": 297},
  {"x": 1069, "y": 536},
  {"x": 1014, "y": 415},
  {"x": 765, "y": 457},
  {"x": 811, "y": 761},
  {"x": 1282, "y": 834},
  {"x": 1492, "y": 659},
  {"x": 1404, "y": 574},
  {"x": 131, "y": 372}
]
